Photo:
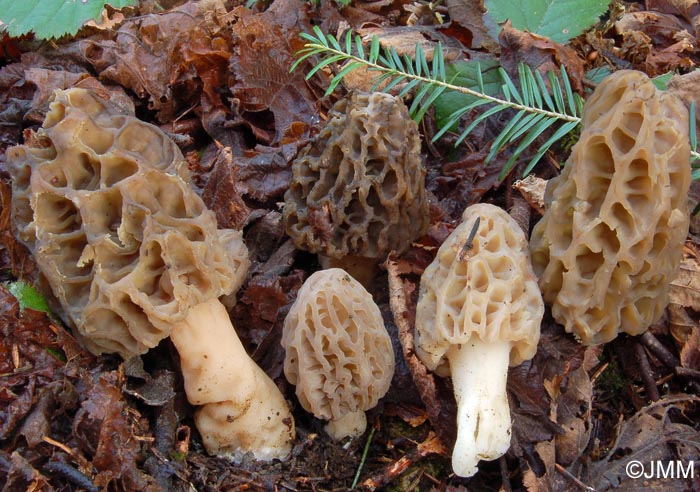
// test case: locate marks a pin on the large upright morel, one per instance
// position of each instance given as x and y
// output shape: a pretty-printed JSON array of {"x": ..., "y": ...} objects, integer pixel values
[
  {"x": 611, "y": 239},
  {"x": 358, "y": 190}
]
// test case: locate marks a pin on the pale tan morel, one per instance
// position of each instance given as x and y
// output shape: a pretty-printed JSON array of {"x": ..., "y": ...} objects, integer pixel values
[
  {"x": 338, "y": 352},
  {"x": 133, "y": 256},
  {"x": 358, "y": 191},
  {"x": 612, "y": 237},
  {"x": 479, "y": 310}
]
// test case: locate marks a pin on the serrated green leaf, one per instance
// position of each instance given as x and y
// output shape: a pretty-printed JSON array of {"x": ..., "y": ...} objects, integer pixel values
[
  {"x": 559, "y": 20},
  {"x": 52, "y": 18},
  {"x": 28, "y": 296},
  {"x": 466, "y": 74}
]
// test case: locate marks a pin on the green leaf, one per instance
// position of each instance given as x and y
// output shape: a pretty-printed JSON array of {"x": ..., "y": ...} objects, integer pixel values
[
  {"x": 28, "y": 296},
  {"x": 466, "y": 74},
  {"x": 661, "y": 81},
  {"x": 559, "y": 20},
  {"x": 52, "y": 18}
]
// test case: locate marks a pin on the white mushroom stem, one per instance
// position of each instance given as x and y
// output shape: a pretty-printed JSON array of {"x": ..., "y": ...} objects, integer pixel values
[
  {"x": 351, "y": 424},
  {"x": 479, "y": 373},
  {"x": 243, "y": 411}
]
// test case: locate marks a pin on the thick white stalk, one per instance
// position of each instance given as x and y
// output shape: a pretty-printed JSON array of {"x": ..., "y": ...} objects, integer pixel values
[
  {"x": 242, "y": 410},
  {"x": 479, "y": 373}
]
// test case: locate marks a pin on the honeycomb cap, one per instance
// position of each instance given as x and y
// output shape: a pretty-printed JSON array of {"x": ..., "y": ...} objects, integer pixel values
[
  {"x": 126, "y": 246},
  {"x": 612, "y": 237},
  {"x": 487, "y": 291},
  {"x": 359, "y": 188},
  {"x": 338, "y": 352}
]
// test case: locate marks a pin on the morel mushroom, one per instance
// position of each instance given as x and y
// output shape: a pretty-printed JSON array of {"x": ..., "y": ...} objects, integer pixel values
[
  {"x": 133, "y": 255},
  {"x": 358, "y": 191},
  {"x": 612, "y": 237},
  {"x": 479, "y": 311},
  {"x": 338, "y": 353}
]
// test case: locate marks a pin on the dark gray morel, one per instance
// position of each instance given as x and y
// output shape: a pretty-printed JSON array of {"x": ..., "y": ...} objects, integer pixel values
[{"x": 358, "y": 191}]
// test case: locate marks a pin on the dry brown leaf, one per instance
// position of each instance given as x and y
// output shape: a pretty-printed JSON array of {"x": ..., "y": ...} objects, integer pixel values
[
  {"x": 271, "y": 98},
  {"x": 539, "y": 53},
  {"x": 650, "y": 436},
  {"x": 532, "y": 188},
  {"x": 690, "y": 354},
  {"x": 145, "y": 56},
  {"x": 470, "y": 15},
  {"x": 685, "y": 288},
  {"x": 680, "y": 323}
]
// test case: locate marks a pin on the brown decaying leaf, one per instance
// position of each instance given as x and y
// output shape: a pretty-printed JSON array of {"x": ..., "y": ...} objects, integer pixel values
[
  {"x": 465, "y": 181},
  {"x": 689, "y": 10},
  {"x": 650, "y": 436},
  {"x": 220, "y": 193},
  {"x": 685, "y": 288},
  {"x": 532, "y": 189},
  {"x": 103, "y": 432},
  {"x": 680, "y": 324},
  {"x": 690, "y": 353},
  {"x": 264, "y": 87},
  {"x": 22, "y": 476},
  {"x": 539, "y": 53},
  {"x": 25, "y": 363},
  {"x": 146, "y": 56},
  {"x": 536, "y": 387},
  {"x": 656, "y": 42},
  {"x": 470, "y": 16}
]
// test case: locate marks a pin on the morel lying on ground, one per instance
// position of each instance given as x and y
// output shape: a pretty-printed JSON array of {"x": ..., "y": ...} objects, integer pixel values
[{"x": 133, "y": 256}]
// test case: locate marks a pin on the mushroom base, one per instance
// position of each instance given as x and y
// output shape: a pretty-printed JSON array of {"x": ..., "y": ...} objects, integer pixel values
[
  {"x": 351, "y": 424},
  {"x": 242, "y": 409},
  {"x": 479, "y": 374}
]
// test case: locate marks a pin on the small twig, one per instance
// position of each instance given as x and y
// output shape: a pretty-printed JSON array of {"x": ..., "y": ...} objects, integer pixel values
[
  {"x": 430, "y": 446},
  {"x": 363, "y": 458},
  {"x": 646, "y": 373},
  {"x": 73, "y": 475},
  {"x": 470, "y": 240},
  {"x": 659, "y": 350},
  {"x": 573, "y": 478},
  {"x": 59, "y": 445},
  {"x": 688, "y": 372}
]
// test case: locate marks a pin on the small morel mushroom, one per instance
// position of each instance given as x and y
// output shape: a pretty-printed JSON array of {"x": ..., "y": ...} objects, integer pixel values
[
  {"x": 133, "y": 256},
  {"x": 479, "y": 310},
  {"x": 611, "y": 239},
  {"x": 338, "y": 353},
  {"x": 358, "y": 191}
]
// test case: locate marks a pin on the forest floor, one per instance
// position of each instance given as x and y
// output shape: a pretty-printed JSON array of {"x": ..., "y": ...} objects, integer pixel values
[{"x": 218, "y": 77}]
